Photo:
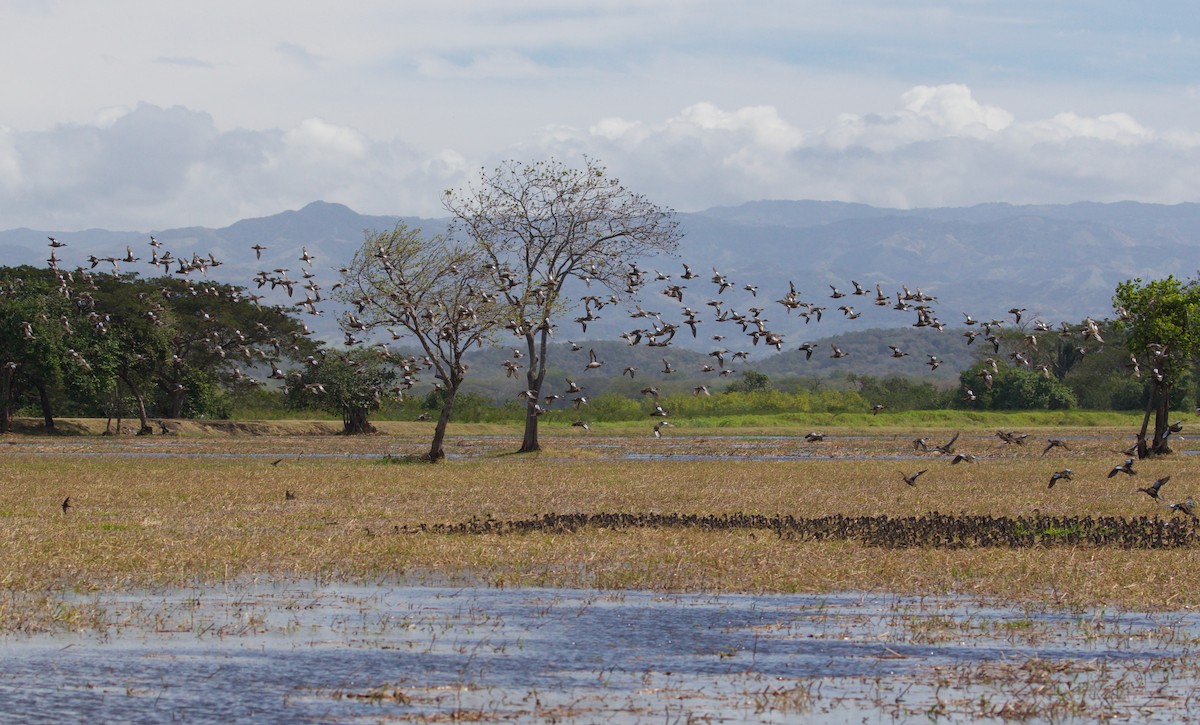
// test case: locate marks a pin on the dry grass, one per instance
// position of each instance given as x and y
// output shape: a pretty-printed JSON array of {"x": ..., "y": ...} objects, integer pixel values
[{"x": 145, "y": 520}]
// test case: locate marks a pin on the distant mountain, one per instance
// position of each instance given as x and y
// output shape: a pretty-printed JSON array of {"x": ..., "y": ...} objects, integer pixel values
[{"x": 1059, "y": 262}]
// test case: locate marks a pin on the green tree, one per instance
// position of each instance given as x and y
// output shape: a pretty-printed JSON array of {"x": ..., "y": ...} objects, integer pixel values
[
  {"x": 351, "y": 384},
  {"x": 539, "y": 225},
  {"x": 40, "y": 354},
  {"x": 1160, "y": 318},
  {"x": 1014, "y": 388},
  {"x": 436, "y": 292},
  {"x": 751, "y": 381}
]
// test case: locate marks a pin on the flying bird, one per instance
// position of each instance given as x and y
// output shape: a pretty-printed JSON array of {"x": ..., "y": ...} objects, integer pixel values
[
  {"x": 912, "y": 480},
  {"x": 1126, "y": 467},
  {"x": 1063, "y": 475},
  {"x": 1185, "y": 507},
  {"x": 1054, "y": 443},
  {"x": 1152, "y": 490}
]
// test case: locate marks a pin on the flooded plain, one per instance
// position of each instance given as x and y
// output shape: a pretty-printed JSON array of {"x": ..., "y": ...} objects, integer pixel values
[{"x": 320, "y": 652}]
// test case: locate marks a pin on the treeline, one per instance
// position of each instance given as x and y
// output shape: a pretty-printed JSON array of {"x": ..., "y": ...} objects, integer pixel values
[
  {"x": 96, "y": 345},
  {"x": 118, "y": 345}
]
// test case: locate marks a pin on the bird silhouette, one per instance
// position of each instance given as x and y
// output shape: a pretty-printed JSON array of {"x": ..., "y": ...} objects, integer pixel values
[
  {"x": 1054, "y": 443},
  {"x": 948, "y": 447},
  {"x": 912, "y": 480},
  {"x": 1126, "y": 467},
  {"x": 1063, "y": 475},
  {"x": 1153, "y": 489},
  {"x": 1188, "y": 508},
  {"x": 66, "y": 504}
]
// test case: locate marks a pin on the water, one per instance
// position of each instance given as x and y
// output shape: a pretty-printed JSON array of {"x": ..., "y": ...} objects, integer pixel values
[{"x": 305, "y": 652}]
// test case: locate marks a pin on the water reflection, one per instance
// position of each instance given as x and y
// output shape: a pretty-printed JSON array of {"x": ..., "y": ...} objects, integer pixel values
[{"x": 305, "y": 652}]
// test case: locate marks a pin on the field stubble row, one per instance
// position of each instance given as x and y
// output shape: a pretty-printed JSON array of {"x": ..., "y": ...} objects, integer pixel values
[{"x": 179, "y": 510}]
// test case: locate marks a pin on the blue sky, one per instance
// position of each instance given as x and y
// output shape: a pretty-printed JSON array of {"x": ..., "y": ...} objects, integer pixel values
[{"x": 142, "y": 115}]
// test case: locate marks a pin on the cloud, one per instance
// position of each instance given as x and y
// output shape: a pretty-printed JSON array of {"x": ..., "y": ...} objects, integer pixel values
[
  {"x": 939, "y": 146},
  {"x": 152, "y": 167},
  {"x": 299, "y": 55},
  {"x": 156, "y": 167},
  {"x": 185, "y": 62}
]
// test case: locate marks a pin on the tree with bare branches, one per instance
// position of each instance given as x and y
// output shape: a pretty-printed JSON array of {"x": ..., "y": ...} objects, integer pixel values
[
  {"x": 429, "y": 290},
  {"x": 540, "y": 225}
]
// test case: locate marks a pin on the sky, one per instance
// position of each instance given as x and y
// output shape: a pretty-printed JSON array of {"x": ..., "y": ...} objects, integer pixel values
[{"x": 141, "y": 115}]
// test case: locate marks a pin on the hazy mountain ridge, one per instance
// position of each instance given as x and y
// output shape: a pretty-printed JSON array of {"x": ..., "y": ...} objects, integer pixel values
[{"x": 1060, "y": 262}]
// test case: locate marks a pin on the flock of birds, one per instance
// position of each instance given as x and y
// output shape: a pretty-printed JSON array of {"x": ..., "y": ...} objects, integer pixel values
[
  {"x": 1186, "y": 507},
  {"x": 652, "y": 329},
  {"x": 658, "y": 329}
]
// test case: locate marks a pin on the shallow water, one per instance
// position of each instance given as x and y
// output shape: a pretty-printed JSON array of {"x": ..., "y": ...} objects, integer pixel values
[{"x": 317, "y": 652}]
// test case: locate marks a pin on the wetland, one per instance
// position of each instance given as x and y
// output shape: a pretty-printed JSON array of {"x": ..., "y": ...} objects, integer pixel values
[{"x": 612, "y": 577}]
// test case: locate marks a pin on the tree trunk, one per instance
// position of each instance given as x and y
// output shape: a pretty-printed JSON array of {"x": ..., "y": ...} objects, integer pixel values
[
  {"x": 1143, "y": 450},
  {"x": 6, "y": 375},
  {"x": 175, "y": 403},
  {"x": 436, "y": 450},
  {"x": 535, "y": 377},
  {"x": 355, "y": 422},
  {"x": 145, "y": 430},
  {"x": 112, "y": 405},
  {"x": 1162, "y": 421},
  {"x": 44, "y": 400}
]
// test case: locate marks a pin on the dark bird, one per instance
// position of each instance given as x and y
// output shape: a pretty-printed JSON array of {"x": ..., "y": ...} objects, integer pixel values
[
  {"x": 1054, "y": 443},
  {"x": 912, "y": 480},
  {"x": 66, "y": 504},
  {"x": 1152, "y": 490},
  {"x": 289, "y": 495},
  {"x": 962, "y": 458},
  {"x": 1185, "y": 507},
  {"x": 814, "y": 437},
  {"x": 1126, "y": 467},
  {"x": 948, "y": 447},
  {"x": 1063, "y": 475},
  {"x": 276, "y": 462}
]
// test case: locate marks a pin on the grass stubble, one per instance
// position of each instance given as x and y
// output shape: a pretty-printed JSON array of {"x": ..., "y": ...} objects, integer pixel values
[{"x": 138, "y": 523}]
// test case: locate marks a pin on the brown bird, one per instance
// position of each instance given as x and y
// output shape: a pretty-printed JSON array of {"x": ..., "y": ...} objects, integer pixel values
[
  {"x": 289, "y": 495},
  {"x": 1054, "y": 443},
  {"x": 1063, "y": 475},
  {"x": 948, "y": 447},
  {"x": 1126, "y": 467},
  {"x": 912, "y": 480},
  {"x": 1185, "y": 507},
  {"x": 1152, "y": 490}
]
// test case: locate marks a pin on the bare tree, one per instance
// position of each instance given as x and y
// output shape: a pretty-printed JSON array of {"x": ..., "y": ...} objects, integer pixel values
[
  {"x": 538, "y": 225},
  {"x": 436, "y": 292}
]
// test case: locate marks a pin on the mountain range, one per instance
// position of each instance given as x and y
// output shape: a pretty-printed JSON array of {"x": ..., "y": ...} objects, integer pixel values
[{"x": 1058, "y": 262}]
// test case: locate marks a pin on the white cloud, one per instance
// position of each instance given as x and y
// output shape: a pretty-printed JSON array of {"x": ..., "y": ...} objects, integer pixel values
[
  {"x": 939, "y": 146},
  {"x": 152, "y": 167}
]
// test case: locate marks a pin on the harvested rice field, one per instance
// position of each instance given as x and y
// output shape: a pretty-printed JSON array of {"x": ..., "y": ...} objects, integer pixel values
[{"x": 945, "y": 598}]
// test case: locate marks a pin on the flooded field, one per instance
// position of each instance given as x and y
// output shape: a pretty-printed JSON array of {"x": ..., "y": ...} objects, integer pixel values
[
  {"x": 705, "y": 576},
  {"x": 309, "y": 652}
]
